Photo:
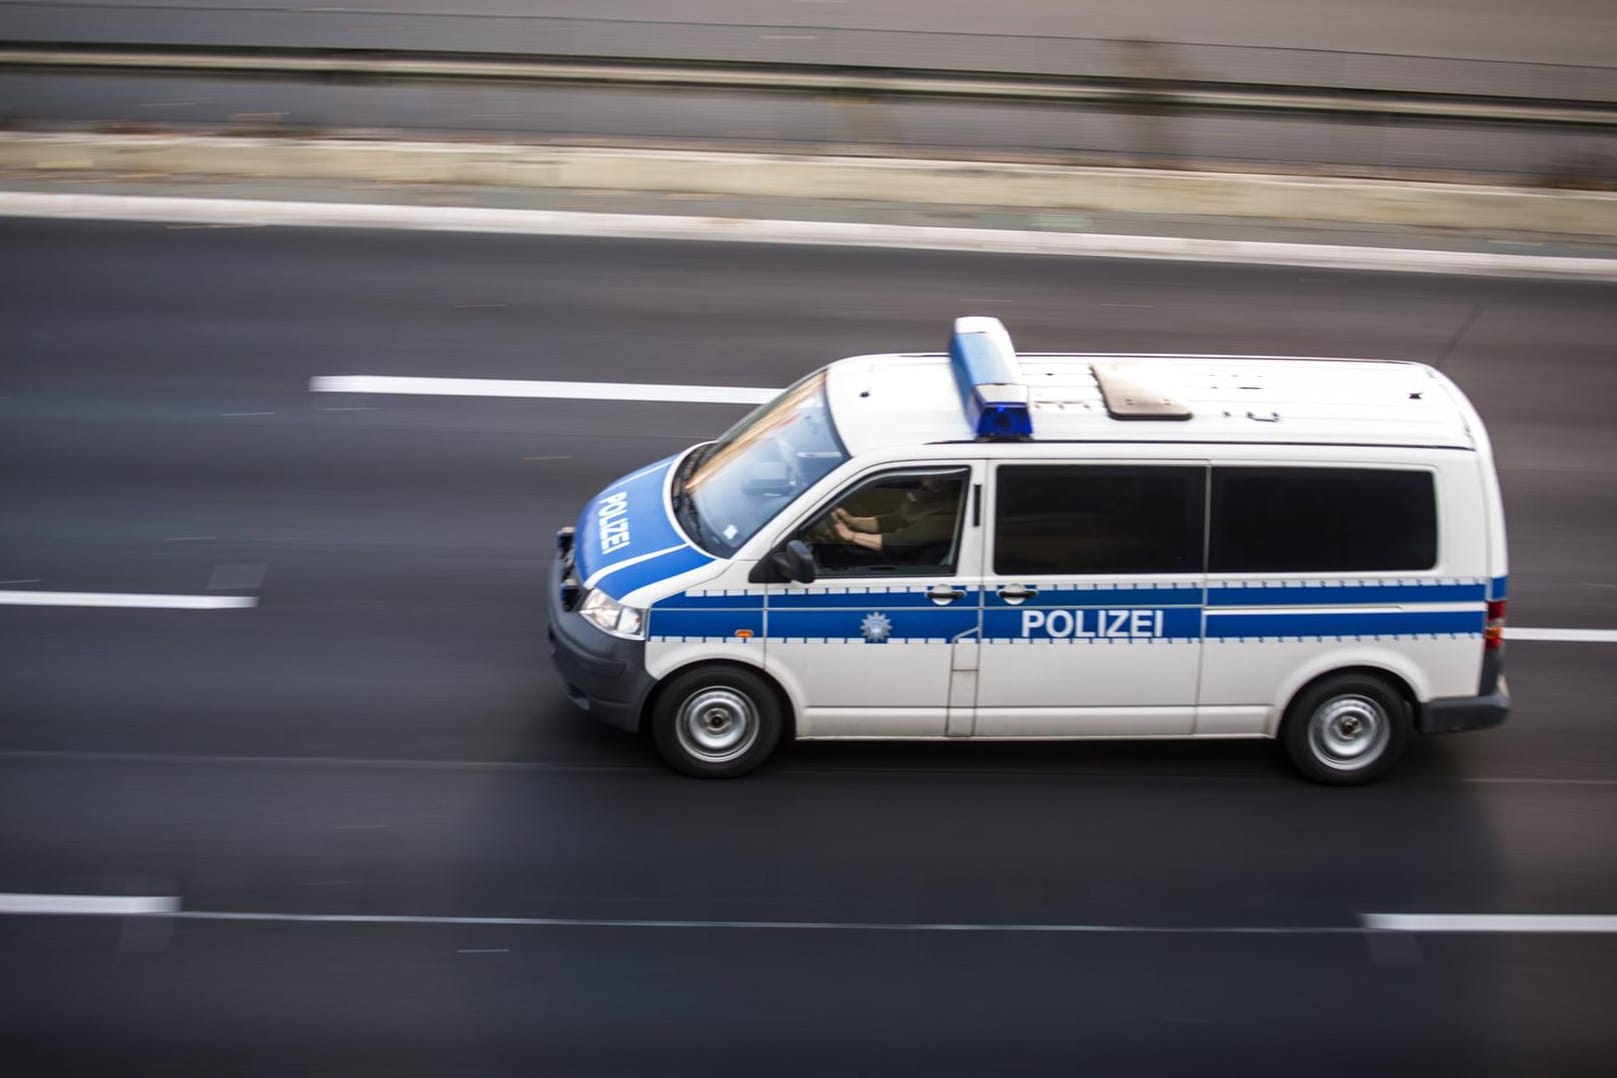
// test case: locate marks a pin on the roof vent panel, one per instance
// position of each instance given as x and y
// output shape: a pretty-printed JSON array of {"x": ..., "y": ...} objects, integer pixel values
[{"x": 1127, "y": 397}]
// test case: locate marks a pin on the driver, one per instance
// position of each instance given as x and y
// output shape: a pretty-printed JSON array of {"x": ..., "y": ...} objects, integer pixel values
[{"x": 926, "y": 518}]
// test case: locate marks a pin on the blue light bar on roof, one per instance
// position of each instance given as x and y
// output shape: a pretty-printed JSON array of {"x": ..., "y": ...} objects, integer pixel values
[{"x": 991, "y": 387}]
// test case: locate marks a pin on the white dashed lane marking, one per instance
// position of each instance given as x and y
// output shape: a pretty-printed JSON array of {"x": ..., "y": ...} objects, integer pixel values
[
  {"x": 1490, "y": 922},
  {"x": 505, "y": 387},
  {"x": 1564, "y": 636},
  {"x": 126, "y": 600},
  {"x": 93, "y": 905}
]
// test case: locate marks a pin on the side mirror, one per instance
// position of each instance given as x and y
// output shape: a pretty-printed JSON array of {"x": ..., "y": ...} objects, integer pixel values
[{"x": 794, "y": 562}]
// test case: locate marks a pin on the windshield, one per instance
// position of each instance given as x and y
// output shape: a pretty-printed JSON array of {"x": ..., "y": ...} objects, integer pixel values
[{"x": 726, "y": 491}]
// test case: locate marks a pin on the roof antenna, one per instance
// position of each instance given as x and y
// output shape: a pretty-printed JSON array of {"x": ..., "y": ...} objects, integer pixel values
[{"x": 1459, "y": 334}]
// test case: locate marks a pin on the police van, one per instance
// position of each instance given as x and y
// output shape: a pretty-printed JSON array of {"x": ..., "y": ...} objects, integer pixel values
[{"x": 981, "y": 545}]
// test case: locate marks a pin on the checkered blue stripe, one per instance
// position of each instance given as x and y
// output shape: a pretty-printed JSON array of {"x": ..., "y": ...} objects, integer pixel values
[{"x": 1233, "y": 611}]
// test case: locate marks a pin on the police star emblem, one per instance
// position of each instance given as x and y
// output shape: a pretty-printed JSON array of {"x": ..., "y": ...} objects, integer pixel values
[{"x": 876, "y": 628}]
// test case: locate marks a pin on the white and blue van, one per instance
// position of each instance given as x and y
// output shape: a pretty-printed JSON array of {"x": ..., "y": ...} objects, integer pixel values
[{"x": 980, "y": 545}]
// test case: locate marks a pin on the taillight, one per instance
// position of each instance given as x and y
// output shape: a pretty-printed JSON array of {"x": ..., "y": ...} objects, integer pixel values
[{"x": 1493, "y": 632}]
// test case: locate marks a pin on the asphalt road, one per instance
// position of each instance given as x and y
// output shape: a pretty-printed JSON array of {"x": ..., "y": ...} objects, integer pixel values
[{"x": 382, "y": 735}]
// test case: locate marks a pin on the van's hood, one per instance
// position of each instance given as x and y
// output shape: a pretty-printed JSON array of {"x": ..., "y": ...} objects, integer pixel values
[{"x": 627, "y": 536}]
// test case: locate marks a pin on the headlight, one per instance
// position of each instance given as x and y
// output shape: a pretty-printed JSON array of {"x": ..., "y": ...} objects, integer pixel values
[{"x": 611, "y": 616}]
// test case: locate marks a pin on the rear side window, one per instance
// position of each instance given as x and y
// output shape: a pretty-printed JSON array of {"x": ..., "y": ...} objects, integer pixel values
[
  {"x": 1322, "y": 520},
  {"x": 1070, "y": 520}
]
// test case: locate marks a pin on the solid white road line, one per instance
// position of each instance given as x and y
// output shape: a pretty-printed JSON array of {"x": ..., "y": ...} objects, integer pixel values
[
  {"x": 243, "y": 212},
  {"x": 638, "y": 771},
  {"x": 125, "y": 905},
  {"x": 1565, "y": 636},
  {"x": 1541, "y": 924},
  {"x": 779, "y": 926},
  {"x": 504, "y": 387},
  {"x": 124, "y": 599}
]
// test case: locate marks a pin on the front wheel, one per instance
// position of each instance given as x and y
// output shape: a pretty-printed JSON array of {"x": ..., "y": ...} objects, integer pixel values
[
  {"x": 716, "y": 722},
  {"x": 1346, "y": 730}
]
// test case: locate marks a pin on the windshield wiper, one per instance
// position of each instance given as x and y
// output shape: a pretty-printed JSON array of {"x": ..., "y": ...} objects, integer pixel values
[
  {"x": 684, "y": 504},
  {"x": 677, "y": 491}
]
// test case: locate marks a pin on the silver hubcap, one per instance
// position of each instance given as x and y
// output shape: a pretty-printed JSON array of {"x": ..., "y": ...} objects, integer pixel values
[
  {"x": 717, "y": 724},
  {"x": 1349, "y": 732}
]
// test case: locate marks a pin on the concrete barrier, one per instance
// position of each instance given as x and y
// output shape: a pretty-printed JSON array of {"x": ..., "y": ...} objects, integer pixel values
[{"x": 926, "y": 182}]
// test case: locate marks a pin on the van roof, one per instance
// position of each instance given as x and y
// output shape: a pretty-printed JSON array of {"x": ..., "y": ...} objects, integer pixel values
[{"x": 886, "y": 401}]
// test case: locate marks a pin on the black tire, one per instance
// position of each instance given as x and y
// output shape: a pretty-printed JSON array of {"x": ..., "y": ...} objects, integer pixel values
[
  {"x": 716, "y": 722},
  {"x": 1346, "y": 730}
]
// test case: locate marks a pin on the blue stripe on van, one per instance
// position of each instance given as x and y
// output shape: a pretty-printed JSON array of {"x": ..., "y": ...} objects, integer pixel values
[
  {"x": 636, "y": 505},
  {"x": 1344, "y": 594},
  {"x": 1178, "y": 623},
  {"x": 710, "y": 624},
  {"x": 803, "y": 613},
  {"x": 619, "y": 582},
  {"x": 1167, "y": 595},
  {"x": 1496, "y": 590},
  {"x": 874, "y": 600},
  {"x": 930, "y": 623},
  {"x": 711, "y": 601},
  {"x": 1376, "y": 623}
]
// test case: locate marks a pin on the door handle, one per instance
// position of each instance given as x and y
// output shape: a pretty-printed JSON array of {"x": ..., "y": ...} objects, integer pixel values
[
  {"x": 1016, "y": 594},
  {"x": 943, "y": 594}
]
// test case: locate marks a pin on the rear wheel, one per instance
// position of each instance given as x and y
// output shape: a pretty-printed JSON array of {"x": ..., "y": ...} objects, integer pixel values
[
  {"x": 716, "y": 722},
  {"x": 1346, "y": 730}
]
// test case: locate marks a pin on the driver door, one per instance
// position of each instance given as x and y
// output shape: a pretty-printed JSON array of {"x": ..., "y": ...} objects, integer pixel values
[{"x": 884, "y": 642}]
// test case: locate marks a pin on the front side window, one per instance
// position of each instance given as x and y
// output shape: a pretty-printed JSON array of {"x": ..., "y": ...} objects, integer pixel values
[
  {"x": 898, "y": 524},
  {"x": 727, "y": 490},
  {"x": 1068, "y": 520},
  {"x": 1290, "y": 520}
]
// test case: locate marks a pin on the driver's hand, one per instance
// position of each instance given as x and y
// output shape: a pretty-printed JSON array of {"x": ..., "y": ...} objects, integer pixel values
[
  {"x": 841, "y": 515},
  {"x": 844, "y": 532}
]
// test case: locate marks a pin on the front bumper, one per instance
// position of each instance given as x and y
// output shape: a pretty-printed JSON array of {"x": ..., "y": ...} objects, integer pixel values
[{"x": 603, "y": 675}]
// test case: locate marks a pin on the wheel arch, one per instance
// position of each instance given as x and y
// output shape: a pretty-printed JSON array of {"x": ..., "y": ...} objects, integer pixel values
[
  {"x": 1395, "y": 680},
  {"x": 788, "y": 712}
]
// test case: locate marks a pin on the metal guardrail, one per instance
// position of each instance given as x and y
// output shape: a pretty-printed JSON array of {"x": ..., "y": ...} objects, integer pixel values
[{"x": 1170, "y": 94}]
